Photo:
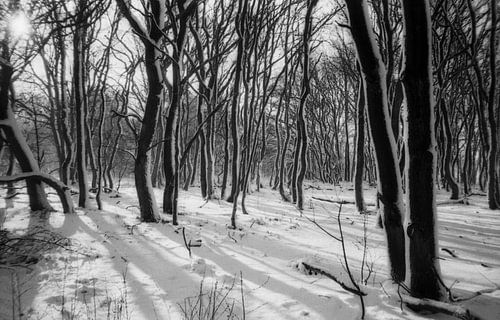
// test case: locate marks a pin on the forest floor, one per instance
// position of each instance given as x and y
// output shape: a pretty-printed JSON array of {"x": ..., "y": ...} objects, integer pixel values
[{"x": 107, "y": 265}]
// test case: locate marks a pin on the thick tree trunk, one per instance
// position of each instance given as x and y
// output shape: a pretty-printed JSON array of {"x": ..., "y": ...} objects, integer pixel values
[
  {"x": 170, "y": 164},
  {"x": 420, "y": 151},
  {"x": 63, "y": 191},
  {"x": 142, "y": 166},
  {"x": 389, "y": 178},
  {"x": 18, "y": 146}
]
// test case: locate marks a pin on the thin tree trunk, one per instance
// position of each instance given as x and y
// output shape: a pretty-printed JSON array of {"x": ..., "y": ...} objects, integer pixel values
[
  {"x": 240, "y": 26},
  {"x": 301, "y": 123},
  {"x": 455, "y": 189},
  {"x": 360, "y": 150},
  {"x": 347, "y": 162},
  {"x": 79, "y": 91},
  {"x": 493, "y": 181}
]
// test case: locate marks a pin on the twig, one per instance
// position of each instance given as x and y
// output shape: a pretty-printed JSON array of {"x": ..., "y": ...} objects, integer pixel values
[
  {"x": 185, "y": 241},
  {"x": 349, "y": 273},
  {"x": 229, "y": 235},
  {"x": 323, "y": 229},
  {"x": 332, "y": 277},
  {"x": 242, "y": 295},
  {"x": 206, "y": 201},
  {"x": 133, "y": 226},
  {"x": 450, "y": 252}
]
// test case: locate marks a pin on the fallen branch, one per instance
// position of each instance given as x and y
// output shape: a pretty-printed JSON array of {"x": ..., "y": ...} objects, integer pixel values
[
  {"x": 312, "y": 187},
  {"x": 458, "y": 201},
  {"x": 477, "y": 293},
  {"x": 334, "y": 201},
  {"x": 341, "y": 201},
  {"x": 481, "y": 194},
  {"x": 450, "y": 252},
  {"x": 63, "y": 191},
  {"x": 439, "y": 306},
  {"x": 332, "y": 277}
]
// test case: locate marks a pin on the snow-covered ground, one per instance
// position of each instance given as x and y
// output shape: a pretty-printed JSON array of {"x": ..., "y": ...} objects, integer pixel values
[{"x": 116, "y": 268}]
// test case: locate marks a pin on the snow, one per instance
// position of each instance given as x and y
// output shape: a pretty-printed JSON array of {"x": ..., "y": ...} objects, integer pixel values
[{"x": 144, "y": 271}]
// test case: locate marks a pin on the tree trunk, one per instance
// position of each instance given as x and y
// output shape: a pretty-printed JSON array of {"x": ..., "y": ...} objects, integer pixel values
[
  {"x": 172, "y": 133},
  {"x": 493, "y": 181},
  {"x": 240, "y": 26},
  {"x": 79, "y": 85},
  {"x": 389, "y": 178},
  {"x": 63, "y": 191},
  {"x": 455, "y": 189},
  {"x": 234, "y": 124},
  {"x": 347, "y": 162},
  {"x": 142, "y": 166},
  {"x": 420, "y": 152},
  {"x": 301, "y": 123},
  {"x": 225, "y": 166},
  {"x": 18, "y": 146},
  {"x": 360, "y": 150}
]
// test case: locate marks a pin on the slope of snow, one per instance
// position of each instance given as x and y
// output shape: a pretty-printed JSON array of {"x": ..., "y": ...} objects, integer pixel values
[{"x": 117, "y": 268}]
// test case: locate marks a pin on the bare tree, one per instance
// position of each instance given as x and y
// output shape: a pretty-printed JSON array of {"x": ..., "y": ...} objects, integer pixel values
[
  {"x": 301, "y": 146},
  {"x": 421, "y": 151},
  {"x": 389, "y": 178},
  {"x": 152, "y": 38}
]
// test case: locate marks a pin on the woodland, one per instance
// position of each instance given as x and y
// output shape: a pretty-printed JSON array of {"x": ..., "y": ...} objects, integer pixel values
[{"x": 250, "y": 159}]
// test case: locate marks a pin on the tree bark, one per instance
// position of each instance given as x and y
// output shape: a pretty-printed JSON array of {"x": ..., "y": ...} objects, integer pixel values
[
  {"x": 154, "y": 73},
  {"x": 18, "y": 146},
  {"x": 235, "y": 98},
  {"x": 455, "y": 189},
  {"x": 240, "y": 23},
  {"x": 80, "y": 95},
  {"x": 389, "y": 178},
  {"x": 420, "y": 152},
  {"x": 493, "y": 181},
  {"x": 360, "y": 150},
  {"x": 63, "y": 191},
  {"x": 171, "y": 144},
  {"x": 301, "y": 123}
]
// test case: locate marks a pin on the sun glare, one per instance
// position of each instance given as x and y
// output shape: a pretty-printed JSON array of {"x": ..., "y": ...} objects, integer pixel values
[{"x": 19, "y": 25}]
